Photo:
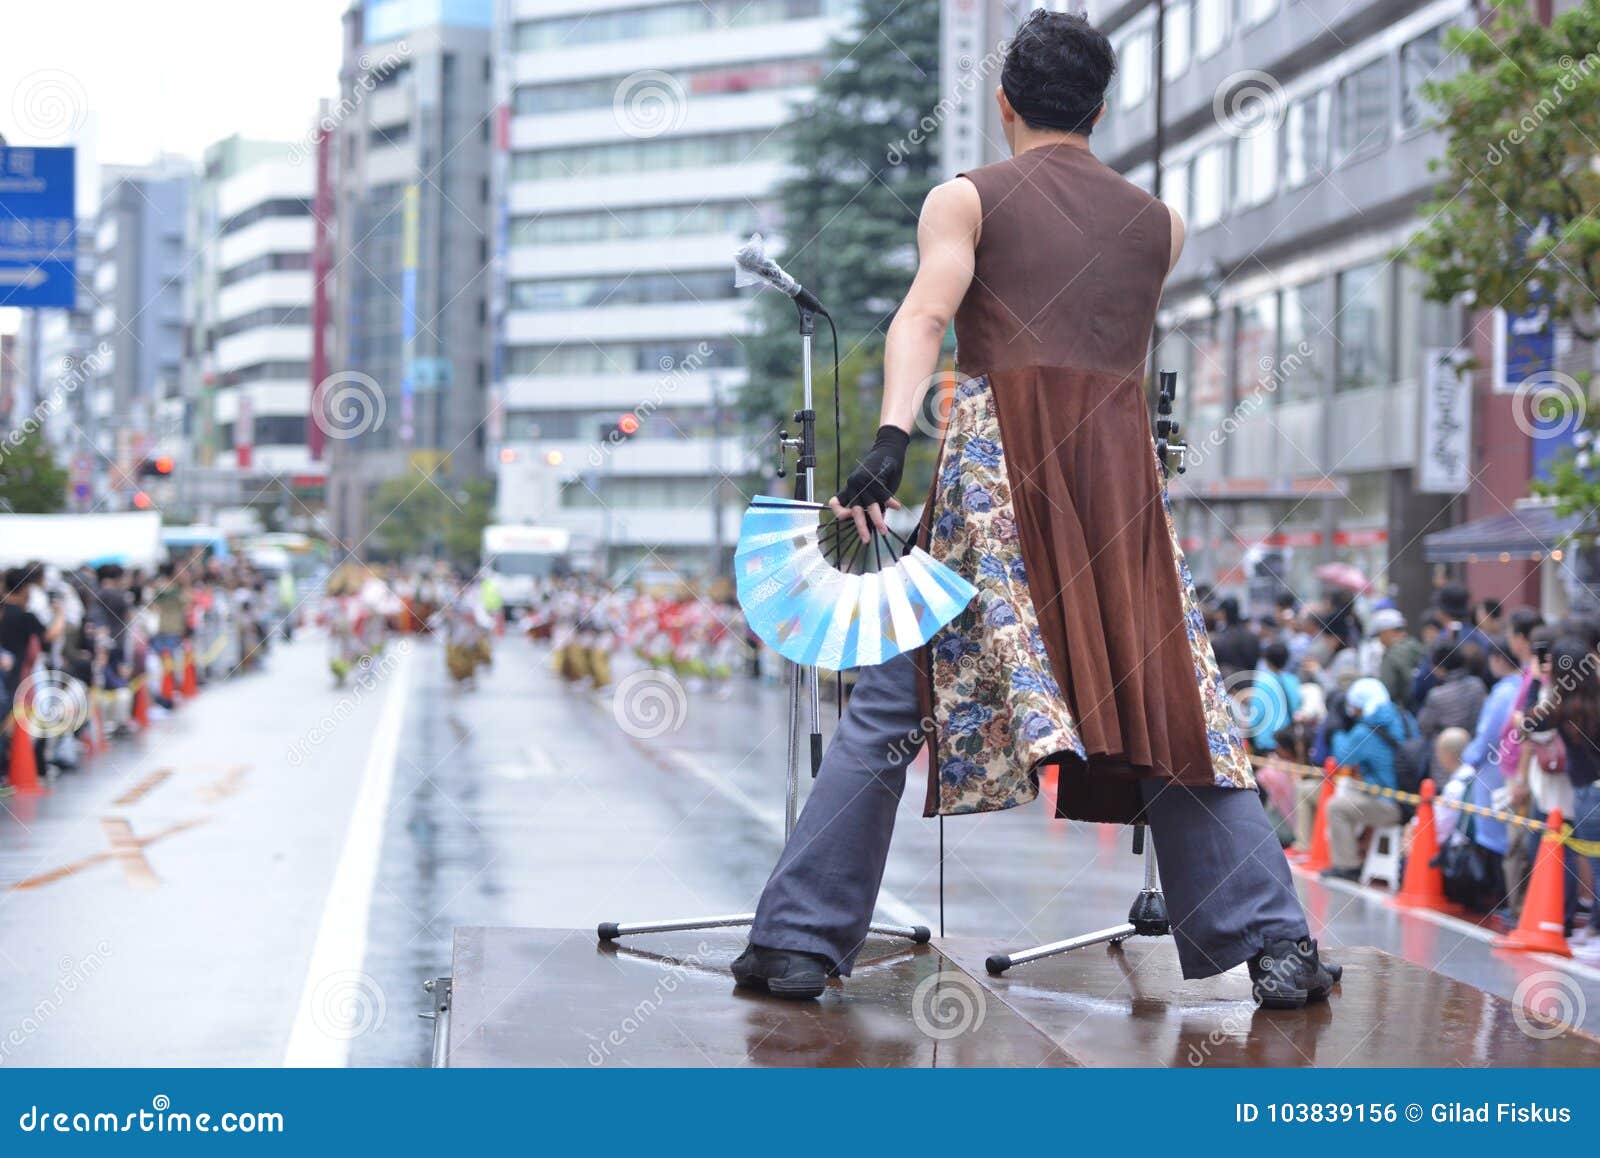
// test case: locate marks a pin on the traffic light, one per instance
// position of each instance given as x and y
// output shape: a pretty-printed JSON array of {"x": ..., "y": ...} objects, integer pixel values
[
  {"x": 624, "y": 428},
  {"x": 159, "y": 467}
]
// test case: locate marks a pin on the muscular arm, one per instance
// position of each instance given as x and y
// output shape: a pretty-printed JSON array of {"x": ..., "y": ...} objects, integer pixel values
[{"x": 947, "y": 238}]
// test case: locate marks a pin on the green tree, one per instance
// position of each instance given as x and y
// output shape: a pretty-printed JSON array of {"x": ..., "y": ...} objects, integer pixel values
[
  {"x": 430, "y": 514},
  {"x": 866, "y": 152},
  {"x": 1513, "y": 224},
  {"x": 30, "y": 481}
]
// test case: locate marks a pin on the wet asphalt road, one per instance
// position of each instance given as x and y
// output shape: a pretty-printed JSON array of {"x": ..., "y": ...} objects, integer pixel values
[{"x": 270, "y": 875}]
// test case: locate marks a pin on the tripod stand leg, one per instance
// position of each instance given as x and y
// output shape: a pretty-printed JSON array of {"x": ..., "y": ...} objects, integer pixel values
[
  {"x": 1147, "y": 918},
  {"x": 611, "y": 930}
]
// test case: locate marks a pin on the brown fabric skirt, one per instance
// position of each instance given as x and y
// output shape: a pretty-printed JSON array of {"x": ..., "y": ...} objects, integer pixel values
[{"x": 1084, "y": 647}]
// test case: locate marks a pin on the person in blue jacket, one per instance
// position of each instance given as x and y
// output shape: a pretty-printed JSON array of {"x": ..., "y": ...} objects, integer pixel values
[{"x": 1376, "y": 726}]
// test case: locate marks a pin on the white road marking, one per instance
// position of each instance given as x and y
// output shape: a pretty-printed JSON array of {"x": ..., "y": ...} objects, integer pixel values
[
  {"x": 898, "y": 910},
  {"x": 341, "y": 945}
]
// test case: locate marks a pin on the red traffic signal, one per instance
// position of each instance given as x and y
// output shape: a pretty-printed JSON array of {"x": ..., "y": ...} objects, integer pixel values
[{"x": 628, "y": 425}]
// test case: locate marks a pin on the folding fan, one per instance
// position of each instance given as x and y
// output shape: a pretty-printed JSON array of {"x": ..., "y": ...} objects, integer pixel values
[{"x": 815, "y": 610}]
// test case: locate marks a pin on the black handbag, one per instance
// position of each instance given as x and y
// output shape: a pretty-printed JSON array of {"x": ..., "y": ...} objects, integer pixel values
[{"x": 1473, "y": 877}]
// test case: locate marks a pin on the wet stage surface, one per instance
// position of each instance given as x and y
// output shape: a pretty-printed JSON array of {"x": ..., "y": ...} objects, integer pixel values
[{"x": 554, "y": 997}]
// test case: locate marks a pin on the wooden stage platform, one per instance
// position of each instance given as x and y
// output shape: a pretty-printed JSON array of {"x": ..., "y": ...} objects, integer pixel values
[{"x": 556, "y": 997}]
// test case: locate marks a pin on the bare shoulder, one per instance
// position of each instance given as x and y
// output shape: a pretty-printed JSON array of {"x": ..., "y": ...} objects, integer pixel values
[
  {"x": 953, "y": 207},
  {"x": 1179, "y": 235}
]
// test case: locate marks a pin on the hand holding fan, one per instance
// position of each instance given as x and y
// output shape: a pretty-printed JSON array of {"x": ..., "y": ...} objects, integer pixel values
[{"x": 802, "y": 596}]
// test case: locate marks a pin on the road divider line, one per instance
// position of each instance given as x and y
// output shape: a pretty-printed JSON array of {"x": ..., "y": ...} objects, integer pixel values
[{"x": 341, "y": 946}]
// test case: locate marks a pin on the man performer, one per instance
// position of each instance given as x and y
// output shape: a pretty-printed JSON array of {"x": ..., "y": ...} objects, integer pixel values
[{"x": 1085, "y": 646}]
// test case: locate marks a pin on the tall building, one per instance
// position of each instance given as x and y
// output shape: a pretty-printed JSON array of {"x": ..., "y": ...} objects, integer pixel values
[
  {"x": 248, "y": 370},
  {"x": 642, "y": 146},
  {"x": 135, "y": 398},
  {"x": 1297, "y": 149},
  {"x": 409, "y": 376}
]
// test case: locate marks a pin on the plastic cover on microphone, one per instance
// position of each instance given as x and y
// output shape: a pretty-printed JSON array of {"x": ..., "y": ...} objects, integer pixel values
[{"x": 751, "y": 265}]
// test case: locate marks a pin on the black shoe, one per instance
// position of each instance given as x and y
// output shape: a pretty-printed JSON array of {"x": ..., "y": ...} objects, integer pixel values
[
  {"x": 782, "y": 972},
  {"x": 1287, "y": 974},
  {"x": 1340, "y": 874}
]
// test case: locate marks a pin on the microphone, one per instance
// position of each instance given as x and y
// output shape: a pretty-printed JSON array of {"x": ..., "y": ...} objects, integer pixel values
[{"x": 751, "y": 264}]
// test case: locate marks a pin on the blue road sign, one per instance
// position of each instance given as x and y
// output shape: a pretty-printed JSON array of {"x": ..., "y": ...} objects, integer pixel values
[{"x": 38, "y": 228}]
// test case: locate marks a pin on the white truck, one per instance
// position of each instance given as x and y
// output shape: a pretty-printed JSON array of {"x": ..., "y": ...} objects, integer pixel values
[{"x": 518, "y": 557}]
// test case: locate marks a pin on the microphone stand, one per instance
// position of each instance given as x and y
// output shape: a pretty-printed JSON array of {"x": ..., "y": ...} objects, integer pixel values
[
  {"x": 803, "y": 684},
  {"x": 1148, "y": 916}
]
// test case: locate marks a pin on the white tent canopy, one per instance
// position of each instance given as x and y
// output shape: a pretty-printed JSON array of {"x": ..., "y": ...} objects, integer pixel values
[{"x": 132, "y": 539}]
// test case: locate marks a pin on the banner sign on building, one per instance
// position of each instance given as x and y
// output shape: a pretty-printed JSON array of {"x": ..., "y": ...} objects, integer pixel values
[
  {"x": 1525, "y": 345},
  {"x": 38, "y": 228},
  {"x": 409, "y": 243},
  {"x": 1444, "y": 454}
]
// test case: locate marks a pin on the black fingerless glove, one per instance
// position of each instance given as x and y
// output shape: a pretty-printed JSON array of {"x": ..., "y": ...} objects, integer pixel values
[{"x": 878, "y": 476}]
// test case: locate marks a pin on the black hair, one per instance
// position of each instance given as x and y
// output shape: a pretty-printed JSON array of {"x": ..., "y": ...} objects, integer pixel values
[
  {"x": 1448, "y": 656},
  {"x": 1455, "y": 601},
  {"x": 1523, "y": 621},
  {"x": 1056, "y": 71},
  {"x": 1276, "y": 654}
]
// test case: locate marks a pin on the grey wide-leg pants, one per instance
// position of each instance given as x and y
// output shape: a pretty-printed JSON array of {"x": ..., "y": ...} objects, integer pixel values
[{"x": 1227, "y": 884}]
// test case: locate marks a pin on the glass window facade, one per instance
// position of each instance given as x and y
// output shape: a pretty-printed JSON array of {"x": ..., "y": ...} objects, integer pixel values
[
  {"x": 1255, "y": 341},
  {"x": 1305, "y": 347},
  {"x": 623, "y": 357},
  {"x": 1255, "y": 166},
  {"x": 1364, "y": 116},
  {"x": 1365, "y": 316},
  {"x": 1210, "y": 26},
  {"x": 1422, "y": 59},
  {"x": 601, "y": 92},
  {"x": 632, "y": 156},
  {"x": 1208, "y": 194},
  {"x": 633, "y": 224},
  {"x": 1305, "y": 139},
  {"x": 1179, "y": 39},
  {"x": 558, "y": 32},
  {"x": 634, "y": 289}
]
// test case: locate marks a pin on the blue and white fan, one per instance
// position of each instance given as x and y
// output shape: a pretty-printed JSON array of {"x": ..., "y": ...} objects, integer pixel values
[{"x": 803, "y": 599}]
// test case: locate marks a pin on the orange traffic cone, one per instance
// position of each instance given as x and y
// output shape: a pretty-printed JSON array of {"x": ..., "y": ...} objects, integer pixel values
[
  {"x": 141, "y": 704},
  {"x": 1422, "y": 885},
  {"x": 191, "y": 679},
  {"x": 24, "y": 767},
  {"x": 1543, "y": 926},
  {"x": 169, "y": 689},
  {"x": 1321, "y": 855},
  {"x": 96, "y": 731}
]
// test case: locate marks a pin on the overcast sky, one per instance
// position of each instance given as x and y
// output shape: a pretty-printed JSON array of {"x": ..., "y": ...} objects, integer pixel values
[
  {"x": 125, "y": 80},
  {"x": 134, "y": 77}
]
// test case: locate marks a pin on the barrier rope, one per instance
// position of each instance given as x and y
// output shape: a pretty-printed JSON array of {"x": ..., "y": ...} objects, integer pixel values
[{"x": 1588, "y": 848}]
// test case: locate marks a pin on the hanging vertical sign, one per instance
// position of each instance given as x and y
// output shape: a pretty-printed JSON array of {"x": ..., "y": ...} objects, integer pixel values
[
  {"x": 409, "y": 245},
  {"x": 1444, "y": 457}
]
